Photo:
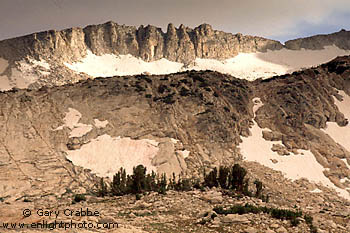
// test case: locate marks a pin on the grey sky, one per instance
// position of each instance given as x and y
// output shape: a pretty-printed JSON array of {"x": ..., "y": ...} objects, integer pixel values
[{"x": 276, "y": 19}]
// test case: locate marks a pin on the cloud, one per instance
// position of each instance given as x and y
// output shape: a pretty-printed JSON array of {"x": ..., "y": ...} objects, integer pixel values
[
  {"x": 273, "y": 18},
  {"x": 268, "y": 18}
]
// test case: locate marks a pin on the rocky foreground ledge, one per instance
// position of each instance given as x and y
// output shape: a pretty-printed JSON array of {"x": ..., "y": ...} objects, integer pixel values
[{"x": 191, "y": 211}]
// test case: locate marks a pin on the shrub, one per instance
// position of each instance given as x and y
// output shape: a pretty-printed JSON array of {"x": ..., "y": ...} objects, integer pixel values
[
  {"x": 308, "y": 219},
  {"x": 186, "y": 185},
  {"x": 309, "y": 222},
  {"x": 295, "y": 222},
  {"x": 78, "y": 198},
  {"x": 181, "y": 184},
  {"x": 274, "y": 212},
  {"x": 138, "y": 196}
]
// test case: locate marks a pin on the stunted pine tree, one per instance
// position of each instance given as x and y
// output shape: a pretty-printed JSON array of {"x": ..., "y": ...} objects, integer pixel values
[
  {"x": 223, "y": 176},
  {"x": 236, "y": 180},
  {"x": 119, "y": 184},
  {"x": 139, "y": 179},
  {"x": 210, "y": 180}
]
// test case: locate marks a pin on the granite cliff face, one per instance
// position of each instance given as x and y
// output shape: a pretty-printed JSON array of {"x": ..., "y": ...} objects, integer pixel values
[{"x": 149, "y": 43}]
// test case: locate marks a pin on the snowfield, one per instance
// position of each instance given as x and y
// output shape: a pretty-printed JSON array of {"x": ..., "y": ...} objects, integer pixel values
[
  {"x": 105, "y": 155},
  {"x": 111, "y": 65},
  {"x": 248, "y": 66},
  {"x": 295, "y": 166},
  {"x": 339, "y": 134}
]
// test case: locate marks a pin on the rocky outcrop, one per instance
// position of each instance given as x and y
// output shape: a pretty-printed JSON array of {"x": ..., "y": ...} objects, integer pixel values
[
  {"x": 339, "y": 39},
  {"x": 195, "y": 108},
  {"x": 207, "y": 112},
  {"x": 66, "y": 45}
]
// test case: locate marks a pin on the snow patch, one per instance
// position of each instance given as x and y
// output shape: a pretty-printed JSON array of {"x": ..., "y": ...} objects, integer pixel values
[
  {"x": 346, "y": 163},
  {"x": 296, "y": 59},
  {"x": 41, "y": 63},
  {"x": 303, "y": 165},
  {"x": 316, "y": 191},
  {"x": 110, "y": 65},
  {"x": 100, "y": 124},
  {"x": 346, "y": 179},
  {"x": 248, "y": 66},
  {"x": 183, "y": 153},
  {"x": 251, "y": 66},
  {"x": 339, "y": 134},
  {"x": 106, "y": 155},
  {"x": 71, "y": 120},
  {"x": 244, "y": 65},
  {"x": 174, "y": 141}
]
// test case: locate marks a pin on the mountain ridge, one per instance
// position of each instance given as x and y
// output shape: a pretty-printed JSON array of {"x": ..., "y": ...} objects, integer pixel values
[
  {"x": 141, "y": 39},
  {"x": 148, "y": 43},
  {"x": 51, "y": 58}
]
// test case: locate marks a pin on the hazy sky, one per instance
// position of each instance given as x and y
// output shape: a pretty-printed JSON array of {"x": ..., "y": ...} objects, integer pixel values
[{"x": 275, "y": 19}]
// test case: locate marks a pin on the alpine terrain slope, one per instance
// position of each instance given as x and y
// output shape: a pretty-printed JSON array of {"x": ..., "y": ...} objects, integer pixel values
[{"x": 80, "y": 104}]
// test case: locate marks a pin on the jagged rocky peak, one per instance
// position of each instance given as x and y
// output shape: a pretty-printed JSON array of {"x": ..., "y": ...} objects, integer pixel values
[
  {"x": 149, "y": 43},
  {"x": 171, "y": 30},
  {"x": 205, "y": 29}
]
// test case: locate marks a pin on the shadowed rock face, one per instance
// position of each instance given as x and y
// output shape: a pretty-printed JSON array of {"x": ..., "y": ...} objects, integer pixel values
[
  {"x": 340, "y": 39},
  {"x": 297, "y": 106}
]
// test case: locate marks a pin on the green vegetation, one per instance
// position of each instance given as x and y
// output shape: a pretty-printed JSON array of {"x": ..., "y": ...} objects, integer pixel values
[
  {"x": 281, "y": 214},
  {"x": 78, "y": 198},
  {"x": 232, "y": 179},
  {"x": 309, "y": 220},
  {"x": 103, "y": 189}
]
